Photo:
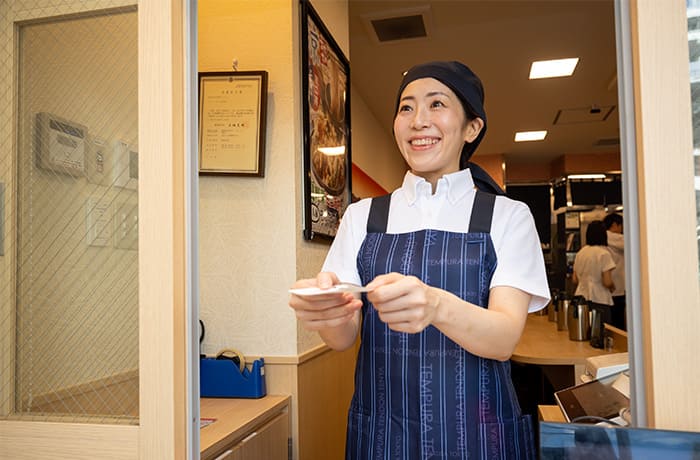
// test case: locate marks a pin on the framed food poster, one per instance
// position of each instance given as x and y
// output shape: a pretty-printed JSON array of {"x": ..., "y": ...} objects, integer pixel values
[{"x": 326, "y": 118}]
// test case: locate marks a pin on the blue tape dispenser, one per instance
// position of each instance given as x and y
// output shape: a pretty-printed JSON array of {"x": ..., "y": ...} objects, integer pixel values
[{"x": 228, "y": 376}]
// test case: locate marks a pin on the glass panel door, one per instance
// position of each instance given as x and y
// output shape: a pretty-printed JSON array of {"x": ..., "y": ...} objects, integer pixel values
[{"x": 71, "y": 192}]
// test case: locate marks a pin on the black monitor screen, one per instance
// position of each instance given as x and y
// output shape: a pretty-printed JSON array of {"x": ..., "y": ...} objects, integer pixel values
[
  {"x": 537, "y": 197},
  {"x": 596, "y": 192},
  {"x": 559, "y": 191}
]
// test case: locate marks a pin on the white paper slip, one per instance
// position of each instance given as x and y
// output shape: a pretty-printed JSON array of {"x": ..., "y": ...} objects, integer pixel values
[{"x": 343, "y": 287}]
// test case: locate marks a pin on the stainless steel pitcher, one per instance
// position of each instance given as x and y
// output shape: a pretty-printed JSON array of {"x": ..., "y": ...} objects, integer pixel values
[
  {"x": 553, "y": 306},
  {"x": 600, "y": 314},
  {"x": 562, "y": 312},
  {"x": 578, "y": 319}
]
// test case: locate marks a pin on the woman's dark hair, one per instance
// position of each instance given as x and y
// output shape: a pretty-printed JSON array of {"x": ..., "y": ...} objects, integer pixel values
[
  {"x": 470, "y": 91},
  {"x": 612, "y": 218},
  {"x": 596, "y": 234}
]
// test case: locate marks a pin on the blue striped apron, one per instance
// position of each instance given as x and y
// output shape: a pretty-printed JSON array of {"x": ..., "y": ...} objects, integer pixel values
[{"x": 422, "y": 396}]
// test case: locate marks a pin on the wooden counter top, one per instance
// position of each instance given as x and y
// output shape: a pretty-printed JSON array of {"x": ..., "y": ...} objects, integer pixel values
[
  {"x": 235, "y": 418},
  {"x": 543, "y": 344},
  {"x": 550, "y": 413}
]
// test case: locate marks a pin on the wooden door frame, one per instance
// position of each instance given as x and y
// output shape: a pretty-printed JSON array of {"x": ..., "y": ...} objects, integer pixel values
[
  {"x": 662, "y": 286},
  {"x": 168, "y": 409}
]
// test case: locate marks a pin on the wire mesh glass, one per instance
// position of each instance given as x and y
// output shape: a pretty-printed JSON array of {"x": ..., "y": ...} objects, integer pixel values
[
  {"x": 69, "y": 217},
  {"x": 693, "y": 10}
]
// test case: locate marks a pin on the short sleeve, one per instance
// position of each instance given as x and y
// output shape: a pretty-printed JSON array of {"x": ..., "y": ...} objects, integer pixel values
[
  {"x": 520, "y": 263},
  {"x": 342, "y": 256},
  {"x": 606, "y": 261}
]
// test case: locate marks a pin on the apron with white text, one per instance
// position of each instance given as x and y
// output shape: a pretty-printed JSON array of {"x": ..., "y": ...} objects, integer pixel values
[{"x": 422, "y": 396}]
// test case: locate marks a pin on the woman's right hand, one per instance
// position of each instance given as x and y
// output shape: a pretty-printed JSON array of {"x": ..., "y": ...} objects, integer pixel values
[{"x": 323, "y": 311}]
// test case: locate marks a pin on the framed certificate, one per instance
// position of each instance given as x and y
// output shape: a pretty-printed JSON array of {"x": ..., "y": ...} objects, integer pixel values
[{"x": 232, "y": 114}]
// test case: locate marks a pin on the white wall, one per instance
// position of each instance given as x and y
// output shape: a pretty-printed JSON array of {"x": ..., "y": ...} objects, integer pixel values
[
  {"x": 373, "y": 147},
  {"x": 251, "y": 241}
]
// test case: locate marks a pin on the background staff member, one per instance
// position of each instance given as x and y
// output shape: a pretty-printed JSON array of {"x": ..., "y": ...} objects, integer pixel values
[
  {"x": 452, "y": 273},
  {"x": 616, "y": 246},
  {"x": 593, "y": 267}
]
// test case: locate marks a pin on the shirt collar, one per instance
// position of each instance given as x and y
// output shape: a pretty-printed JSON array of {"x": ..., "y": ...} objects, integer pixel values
[{"x": 456, "y": 185}]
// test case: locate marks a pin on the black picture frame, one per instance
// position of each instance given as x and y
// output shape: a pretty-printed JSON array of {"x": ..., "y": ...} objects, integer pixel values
[
  {"x": 326, "y": 124},
  {"x": 232, "y": 122}
]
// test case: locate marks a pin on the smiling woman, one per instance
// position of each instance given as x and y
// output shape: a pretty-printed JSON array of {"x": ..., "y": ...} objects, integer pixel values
[
  {"x": 421, "y": 254},
  {"x": 431, "y": 127}
]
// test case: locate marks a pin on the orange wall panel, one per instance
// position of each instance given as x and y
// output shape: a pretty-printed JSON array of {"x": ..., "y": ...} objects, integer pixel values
[
  {"x": 364, "y": 186},
  {"x": 492, "y": 164}
]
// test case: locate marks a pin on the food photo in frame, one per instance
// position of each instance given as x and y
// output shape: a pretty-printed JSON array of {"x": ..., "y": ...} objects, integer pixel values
[
  {"x": 232, "y": 115},
  {"x": 326, "y": 118}
]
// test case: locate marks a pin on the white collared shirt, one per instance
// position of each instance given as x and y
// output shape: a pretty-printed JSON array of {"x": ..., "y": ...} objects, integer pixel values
[{"x": 414, "y": 207}]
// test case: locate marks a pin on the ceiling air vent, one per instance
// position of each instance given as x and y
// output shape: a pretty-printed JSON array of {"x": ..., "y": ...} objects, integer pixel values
[
  {"x": 590, "y": 114},
  {"x": 405, "y": 24},
  {"x": 606, "y": 142},
  {"x": 391, "y": 29}
]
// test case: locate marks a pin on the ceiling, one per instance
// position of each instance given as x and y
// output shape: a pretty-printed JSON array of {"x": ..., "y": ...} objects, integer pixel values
[{"x": 498, "y": 40}]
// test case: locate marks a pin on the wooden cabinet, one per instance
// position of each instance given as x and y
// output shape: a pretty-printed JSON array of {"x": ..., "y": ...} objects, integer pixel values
[
  {"x": 246, "y": 429},
  {"x": 271, "y": 442}
]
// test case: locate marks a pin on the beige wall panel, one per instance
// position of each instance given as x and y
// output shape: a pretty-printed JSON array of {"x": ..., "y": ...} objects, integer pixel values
[
  {"x": 281, "y": 379},
  {"x": 326, "y": 383}
]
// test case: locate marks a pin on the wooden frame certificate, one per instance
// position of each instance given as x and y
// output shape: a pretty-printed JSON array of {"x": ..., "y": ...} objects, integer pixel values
[{"x": 232, "y": 113}]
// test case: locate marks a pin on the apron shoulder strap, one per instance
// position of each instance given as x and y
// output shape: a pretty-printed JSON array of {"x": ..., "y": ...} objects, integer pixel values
[
  {"x": 378, "y": 214},
  {"x": 482, "y": 212},
  {"x": 480, "y": 222}
]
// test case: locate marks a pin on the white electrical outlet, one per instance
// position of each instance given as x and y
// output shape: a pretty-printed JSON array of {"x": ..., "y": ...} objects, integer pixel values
[
  {"x": 126, "y": 225},
  {"x": 126, "y": 165},
  {"x": 98, "y": 230},
  {"x": 99, "y": 163}
]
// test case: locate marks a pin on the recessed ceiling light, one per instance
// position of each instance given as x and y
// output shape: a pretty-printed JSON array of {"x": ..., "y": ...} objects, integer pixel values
[
  {"x": 524, "y": 136},
  {"x": 586, "y": 176},
  {"x": 553, "y": 68}
]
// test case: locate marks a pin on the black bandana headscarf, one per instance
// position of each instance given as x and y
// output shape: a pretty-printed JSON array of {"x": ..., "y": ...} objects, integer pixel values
[{"x": 467, "y": 86}]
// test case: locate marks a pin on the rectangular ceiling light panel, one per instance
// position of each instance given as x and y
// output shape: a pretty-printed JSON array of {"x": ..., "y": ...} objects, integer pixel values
[
  {"x": 553, "y": 68},
  {"x": 525, "y": 136}
]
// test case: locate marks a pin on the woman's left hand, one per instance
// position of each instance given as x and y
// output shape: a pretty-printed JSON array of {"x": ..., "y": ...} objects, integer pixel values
[{"x": 404, "y": 303}]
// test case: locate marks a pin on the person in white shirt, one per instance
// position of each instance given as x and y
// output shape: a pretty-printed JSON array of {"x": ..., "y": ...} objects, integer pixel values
[
  {"x": 616, "y": 245},
  {"x": 593, "y": 267},
  {"x": 451, "y": 268}
]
